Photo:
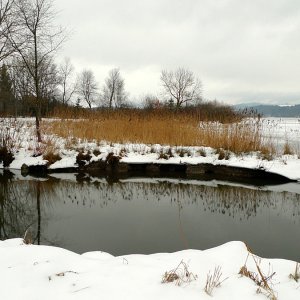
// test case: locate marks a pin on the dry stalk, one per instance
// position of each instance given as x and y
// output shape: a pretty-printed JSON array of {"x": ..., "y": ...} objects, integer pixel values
[
  {"x": 296, "y": 274},
  {"x": 263, "y": 282},
  {"x": 213, "y": 280},
  {"x": 179, "y": 275}
]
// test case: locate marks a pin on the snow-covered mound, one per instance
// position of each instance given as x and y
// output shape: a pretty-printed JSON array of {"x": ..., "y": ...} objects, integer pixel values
[{"x": 43, "y": 272}]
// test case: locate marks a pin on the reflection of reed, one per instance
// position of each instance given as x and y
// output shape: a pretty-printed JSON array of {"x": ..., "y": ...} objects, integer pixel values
[
  {"x": 181, "y": 231},
  {"x": 240, "y": 202},
  {"x": 221, "y": 199}
]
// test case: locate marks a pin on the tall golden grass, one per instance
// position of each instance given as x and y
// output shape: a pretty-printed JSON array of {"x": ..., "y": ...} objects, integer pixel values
[{"x": 165, "y": 127}]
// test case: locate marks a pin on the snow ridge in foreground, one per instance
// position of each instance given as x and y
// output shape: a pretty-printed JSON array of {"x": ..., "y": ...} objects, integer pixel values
[{"x": 35, "y": 272}]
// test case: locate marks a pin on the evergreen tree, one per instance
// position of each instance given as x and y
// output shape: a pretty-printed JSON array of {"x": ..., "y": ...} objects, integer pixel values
[{"x": 6, "y": 93}]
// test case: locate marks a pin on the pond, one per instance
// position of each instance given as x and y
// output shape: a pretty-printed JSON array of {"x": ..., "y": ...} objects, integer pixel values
[{"x": 83, "y": 213}]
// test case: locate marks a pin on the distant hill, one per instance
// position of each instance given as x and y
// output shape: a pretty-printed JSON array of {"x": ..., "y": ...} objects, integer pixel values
[{"x": 292, "y": 111}]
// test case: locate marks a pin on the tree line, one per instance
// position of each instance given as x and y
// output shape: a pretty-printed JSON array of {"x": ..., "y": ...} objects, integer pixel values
[{"x": 33, "y": 83}]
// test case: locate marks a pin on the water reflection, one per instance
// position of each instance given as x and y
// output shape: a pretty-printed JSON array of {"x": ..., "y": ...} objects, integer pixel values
[
  {"x": 145, "y": 217},
  {"x": 22, "y": 204}
]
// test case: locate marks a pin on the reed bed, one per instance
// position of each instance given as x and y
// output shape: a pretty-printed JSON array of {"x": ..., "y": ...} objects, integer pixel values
[{"x": 165, "y": 127}]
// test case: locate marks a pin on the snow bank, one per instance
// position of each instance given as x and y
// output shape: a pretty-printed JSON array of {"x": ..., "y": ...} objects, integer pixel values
[
  {"x": 286, "y": 165},
  {"x": 35, "y": 272}
]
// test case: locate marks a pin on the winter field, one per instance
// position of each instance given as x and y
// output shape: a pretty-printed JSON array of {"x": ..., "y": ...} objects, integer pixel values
[{"x": 229, "y": 271}]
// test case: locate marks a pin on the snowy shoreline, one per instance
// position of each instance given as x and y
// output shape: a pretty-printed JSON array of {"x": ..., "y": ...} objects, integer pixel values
[
  {"x": 287, "y": 165},
  {"x": 28, "y": 151},
  {"x": 32, "y": 272}
]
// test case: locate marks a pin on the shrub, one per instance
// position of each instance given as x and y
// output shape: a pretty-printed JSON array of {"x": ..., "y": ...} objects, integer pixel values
[
  {"x": 96, "y": 152},
  {"x": 223, "y": 154},
  {"x": 112, "y": 159},
  {"x": 183, "y": 152},
  {"x": 170, "y": 153},
  {"x": 202, "y": 152},
  {"x": 266, "y": 153},
  {"x": 82, "y": 158},
  {"x": 287, "y": 149},
  {"x": 6, "y": 156},
  {"x": 163, "y": 155},
  {"x": 122, "y": 152}
]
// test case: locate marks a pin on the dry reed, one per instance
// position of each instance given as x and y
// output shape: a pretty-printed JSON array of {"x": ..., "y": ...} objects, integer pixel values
[
  {"x": 165, "y": 127},
  {"x": 264, "y": 282},
  {"x": 213, "y": 280}
]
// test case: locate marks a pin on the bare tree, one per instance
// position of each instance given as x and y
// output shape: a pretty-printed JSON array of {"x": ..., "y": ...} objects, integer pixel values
[
  {"x": 67, "y": 85},
  {"x": 49, "y": 80},
  {"x": 113, "y": 93},
  {"x": 151, "y": 102},
  {"x": 181, "y": 86},
  {"x": 35, "y": 40},
  {"x": 21, "y": 80},
  {"x": 24, "y": 86},
  {"x": 6, "y": 26},
  {"x": 87, "y": 87}
]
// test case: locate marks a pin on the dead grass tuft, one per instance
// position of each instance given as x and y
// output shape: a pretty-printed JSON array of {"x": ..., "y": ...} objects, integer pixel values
[
  {"x": 27, "y": 239},
  {"x": 179, "y": 275},
  {"x": 163, "y": 155},
  {"x": 213, "y": 280},
  {"x": 287, "y": 149},
  {"x": 296, "y": 274},
  {"x": 202, "y": 152},
  {"x": 267, "y": 153},
  {"x": 222, "y": 154},
  {"x": 51, "y": 157}
]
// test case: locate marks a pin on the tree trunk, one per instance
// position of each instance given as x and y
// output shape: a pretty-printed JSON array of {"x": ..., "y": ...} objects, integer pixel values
[{"x": 37, "y": 126}]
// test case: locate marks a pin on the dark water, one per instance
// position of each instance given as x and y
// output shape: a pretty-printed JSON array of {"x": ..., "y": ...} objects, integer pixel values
[{"x": 148, "y": 216}]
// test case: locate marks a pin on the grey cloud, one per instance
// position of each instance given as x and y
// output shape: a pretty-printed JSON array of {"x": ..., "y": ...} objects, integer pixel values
[{"x": 246, "y": 46}]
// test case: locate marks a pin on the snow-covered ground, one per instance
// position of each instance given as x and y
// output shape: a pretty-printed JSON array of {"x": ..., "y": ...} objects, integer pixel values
[
  {"x": 281, "y": 130},
  {"x": 43, "y": 272}
]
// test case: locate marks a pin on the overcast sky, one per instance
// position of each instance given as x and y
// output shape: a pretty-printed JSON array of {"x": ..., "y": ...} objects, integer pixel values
[{"x": 242, "y": 50}]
